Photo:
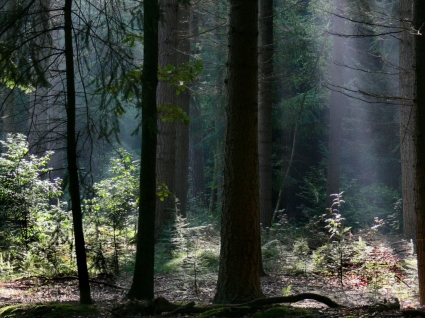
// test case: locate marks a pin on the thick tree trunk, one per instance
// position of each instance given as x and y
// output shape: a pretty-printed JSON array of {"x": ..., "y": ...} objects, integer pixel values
[
  {"x": 336, "y": 104},
  {"x": 407, "y": 119},
  {"x": 74, "y": 185},
  {"x": 265, "y": 103},
  {"x": 166, "y": 95},
  {"x": 238, "y": 277},
  {"x": 183, "y": 100},
  {"x": 143, "y": 278},
  {"x": 419, "y": 141}
]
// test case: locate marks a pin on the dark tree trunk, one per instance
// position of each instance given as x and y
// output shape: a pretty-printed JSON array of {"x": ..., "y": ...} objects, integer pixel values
[
  {"x": 419, "y": 141},
  {"x": 238, "y": 277},
  {"x": 74, "y": 186},
  {"x": 407, "y": 119},
  {"x": 182, "y": 130},
  {"x": 336, "y": 104},
  {"x": 143, "y": 278},
  {"x": 265, "y": 104},
  {"x": 166, "y": 95}
]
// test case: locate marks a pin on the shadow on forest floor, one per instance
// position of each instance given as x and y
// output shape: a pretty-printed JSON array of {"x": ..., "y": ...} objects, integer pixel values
[{"x": 51, "y": 297}]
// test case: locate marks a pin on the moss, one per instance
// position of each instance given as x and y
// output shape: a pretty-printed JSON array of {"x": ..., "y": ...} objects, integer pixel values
[
  {"x": 282, "y": 311},
  {"x": 219, "y": 312},
  {"x": 47, "y": 311}
]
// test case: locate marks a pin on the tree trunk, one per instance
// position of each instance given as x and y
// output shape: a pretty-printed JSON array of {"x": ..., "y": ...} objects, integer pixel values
[
  {"x": 407, "y": 119},
  {"x": 238, "y": 277},
  {"x": 336, "y": 104},
  {"x": 265, "y": 104},
  {"x": 74, "y": 185},
  {"x": 183, "y": 100},
  {"x": 419, "y": 141},
  {"x": 166, "y": 95},
  {"x": 197, "y": 175},
  {"x": 143, "y": 278}
]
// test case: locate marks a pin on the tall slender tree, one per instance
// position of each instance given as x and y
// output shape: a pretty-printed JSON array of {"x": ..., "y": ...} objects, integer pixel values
[
  {"x": 336, "y": 106},
  {"x": 407, "y": 118},
  {"x": 239, "y": 272},
  {"x": 74, "y": 184},
  {"x": 143, "y": 278},
  {"x": 419, "y": 139}
]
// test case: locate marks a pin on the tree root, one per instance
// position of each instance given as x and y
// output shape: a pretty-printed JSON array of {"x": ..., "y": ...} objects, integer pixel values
[{"x": 160, "y": 305}]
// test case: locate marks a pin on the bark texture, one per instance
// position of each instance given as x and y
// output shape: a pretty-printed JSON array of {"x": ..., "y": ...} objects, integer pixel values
[
  {"x": 407, "y": 118},
  {"x": 182, "y": 129},
  {"x": 143, "y": 278},
  {"x": 166, "y": 95},
  {"x": 419, "y": 141},
  {"x": 238, "y": 277},
  {"x": 265, "y": 103},
  {"x": 74, "y": 184}
]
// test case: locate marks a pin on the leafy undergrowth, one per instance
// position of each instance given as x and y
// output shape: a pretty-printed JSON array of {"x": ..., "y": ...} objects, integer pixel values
[{"x": 384, "y": 275}]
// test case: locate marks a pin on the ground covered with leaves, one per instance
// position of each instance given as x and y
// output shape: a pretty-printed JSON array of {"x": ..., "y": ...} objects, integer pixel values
[{"x": 382, "y": 286}]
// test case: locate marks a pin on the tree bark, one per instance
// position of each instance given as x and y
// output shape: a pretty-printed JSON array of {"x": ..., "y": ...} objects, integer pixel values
[
  {"x": 183, "y": 100},
  {"x": 238, "y": 277},
  {"x": 336, "y": 104},
  {"x": 419, "y": 141},
  {"x": 143, "y": 277},
  {"x": 74, "y": 185},
  {"x": 407, "y": 118},
  {"x": 166, "y": 95},
  {"x": 265, "y": 103}
]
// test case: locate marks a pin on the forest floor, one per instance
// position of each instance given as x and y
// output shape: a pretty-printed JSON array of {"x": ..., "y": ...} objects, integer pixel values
[{"x": 359, "y": 299}]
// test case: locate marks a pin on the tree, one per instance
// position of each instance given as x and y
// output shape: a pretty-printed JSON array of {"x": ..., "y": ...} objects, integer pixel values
[
  {"x": 142, "y": 286},
  {"x": 419, "y": 139},
  {"x": 29, "y": 31},
  {"x": 265, "y": 104},
  {"x": 238, "y": 277},
  {"x": 407, "y": 119},
  {"x": 71, "y": 146},
  {"x": 167, "y": 101},
  {"x": 336, "y": 103}
]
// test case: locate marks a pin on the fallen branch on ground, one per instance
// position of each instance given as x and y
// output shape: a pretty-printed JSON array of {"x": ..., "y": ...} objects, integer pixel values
[{"x": 161, "y": 305}]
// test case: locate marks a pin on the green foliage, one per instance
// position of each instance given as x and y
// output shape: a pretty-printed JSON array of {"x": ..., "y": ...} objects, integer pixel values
[
  {"x": 110, "y": 214},
  {"x": 181, "y": 75},
  {"x": 162, "y": 191},
  {"x": 171, "y": 113},
  {"x": 24, "y": 192}
]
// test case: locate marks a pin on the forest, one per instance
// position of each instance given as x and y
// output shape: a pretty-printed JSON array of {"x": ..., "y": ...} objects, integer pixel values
[{"x": 212, "y": 158}]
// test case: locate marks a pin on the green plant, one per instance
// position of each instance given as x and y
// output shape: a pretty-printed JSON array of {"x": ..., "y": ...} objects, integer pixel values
[{"x": 109, "y": 214}]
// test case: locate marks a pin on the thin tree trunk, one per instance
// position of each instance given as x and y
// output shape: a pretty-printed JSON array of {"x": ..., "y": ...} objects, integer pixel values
[
  {"x": 74, "y": 185},
  {"x": 407, "y": 119},
  {"x": 419, "y": 140},
  {"x": 143, "y": 278},
  {"x": 197, "y": 175},
  {"x": 336, "y": 104},
  {"x": 238, "y": 277}
]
